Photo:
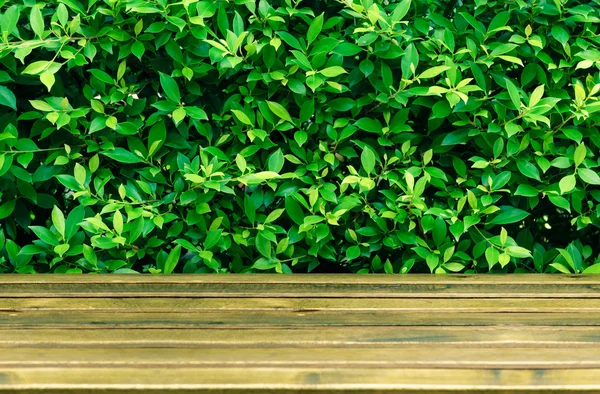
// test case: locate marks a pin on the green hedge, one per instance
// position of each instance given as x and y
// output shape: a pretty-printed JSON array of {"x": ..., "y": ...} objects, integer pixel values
[{"x": 293, "y": 136}]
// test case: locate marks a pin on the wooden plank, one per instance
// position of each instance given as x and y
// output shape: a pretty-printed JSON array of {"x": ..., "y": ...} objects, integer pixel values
[
  {"x": 280, "y": 319},
  {"x": 381, "y": 337},
  {"x": 321, "y": 357},
  {"x": 295, "y": 380},
  {"x": 302, "y": 290},
  {"x": 195, "y": 305}
]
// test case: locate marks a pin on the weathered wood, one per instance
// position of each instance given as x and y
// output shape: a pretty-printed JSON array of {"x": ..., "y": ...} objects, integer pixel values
[
  {"x": 290, "y": 319},
  {"x": 199, "y": 305},
  {"x": 241, "y": 334},
  {"x": 296, "y": 380},
  {"x": 414, "y": 356},
  {"x": 460, "y": 286},
  {"x": 387, "y": 337},
  {"x": 288, "y": 290}
]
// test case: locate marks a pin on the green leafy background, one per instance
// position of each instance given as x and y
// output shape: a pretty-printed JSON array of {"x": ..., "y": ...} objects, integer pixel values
[{"x": 293, "y": 136}]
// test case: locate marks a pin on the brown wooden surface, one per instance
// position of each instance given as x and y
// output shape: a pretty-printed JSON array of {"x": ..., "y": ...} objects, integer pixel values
[{"x": 299, "y": 334}]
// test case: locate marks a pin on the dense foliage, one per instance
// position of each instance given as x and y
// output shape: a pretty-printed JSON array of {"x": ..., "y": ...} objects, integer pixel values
[{"x": 297, "y": 135}]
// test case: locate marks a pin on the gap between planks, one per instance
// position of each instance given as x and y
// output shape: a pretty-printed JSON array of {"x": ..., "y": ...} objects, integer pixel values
[{"x": 282, "y": 319}]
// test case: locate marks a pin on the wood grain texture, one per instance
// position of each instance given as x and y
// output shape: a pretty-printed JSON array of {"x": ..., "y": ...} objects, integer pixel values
[
  {"x": 299, "y": 334},
  {"x": 414, "y": 356},
  {"x": 290, "y": 319},
  {"x": 386, "y": 337},
  {"x": 287, "y": 286},
  {"x": 296, "y": 380},
  {"x": 201, "y": 305}
]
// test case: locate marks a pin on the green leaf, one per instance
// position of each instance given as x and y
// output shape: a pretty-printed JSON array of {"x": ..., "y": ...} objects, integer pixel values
[
  {"x": 172, "y": 260},
  {"x": 567, "y": 184},
  {"x": 314, "y": 29},
  {"x": 526, "y": 191},
  {"x": 517, "y": 251},
  {"x": 123, "y": 156},
  {"x": 294, "y": 210},
  {"x": 249, "y": 209},
  {"x": 263, "y": 245},
  {"x": 592, "y": 269},
  {"x": 579, "y": 155},
  {"x": 156, "y": 137},
  {"x": 510, "y": 215},
  {"x": 274, "y": 215},
  {"x": 280, "y": 111},
  {"x": 7, "y": 98},
  {"x": 276, "y": 161},
  {"x": 433, "y": 72},
  {"x": 118, "y": 222},
  {"x": 264, "y": 264},
  {"x": 370, "y": 125},
  {"x": 80, "y": 174},
  {"x": 170, "y": 87},
  {"x": 47, "y": 78},
  {"x": 513, "y": 93},
  {"x": 212, "y": 238},
  {"x": 528, "y": 169},
  {"x": 588, "y": 176},
  {"x": 242, "y": 117},
  {"x": 352, "y": 252},
  {"x": 7, "y": 208},
  {"x": 45, "y": 235},
  {"x": 58, "y": 220},
  {"x": 334, "y": 71},
  {"x": 367, "y": 159},
  {"x": 37, "y": 21},
  {"x": 401, "y": 10},
  {"x": 560, "y": 202}
]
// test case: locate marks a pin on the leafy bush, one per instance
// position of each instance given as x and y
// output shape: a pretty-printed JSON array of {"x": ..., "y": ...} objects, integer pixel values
[{"x": 289, "y": 135}]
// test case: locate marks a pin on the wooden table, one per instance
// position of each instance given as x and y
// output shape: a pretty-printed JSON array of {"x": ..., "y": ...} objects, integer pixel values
[{"x": 299, "y": 334}]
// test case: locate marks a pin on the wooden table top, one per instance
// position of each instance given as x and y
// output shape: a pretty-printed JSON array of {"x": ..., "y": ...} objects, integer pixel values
[{"x": 299, "y": 334}]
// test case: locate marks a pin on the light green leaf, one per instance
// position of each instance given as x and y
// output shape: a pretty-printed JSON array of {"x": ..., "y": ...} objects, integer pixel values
[
  {"x": 367, "y": 159},
  {"x": 592, "y": 269},
  {"x": 80, "y": 174},
  {"x": 37, "y": 21},
  {"x": 433, "y": 72},
  {"x": 580, "y": 154},
  {"x": 280, "y": 111},
  {"x": 118, "y": 222},
  {"x": 58, "y": 220},
  {"x": 401, "y": 10},
  {"x": 242, "y": 117},
  {"x": 567, "y": 183},
  {"x": 333, "y": 71},
  {"x": 314, "y": 29},
  {"x": 588, "y": 176},
  {"x": 276, "y": 161},
  {"x": 513, "y": 92}
]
